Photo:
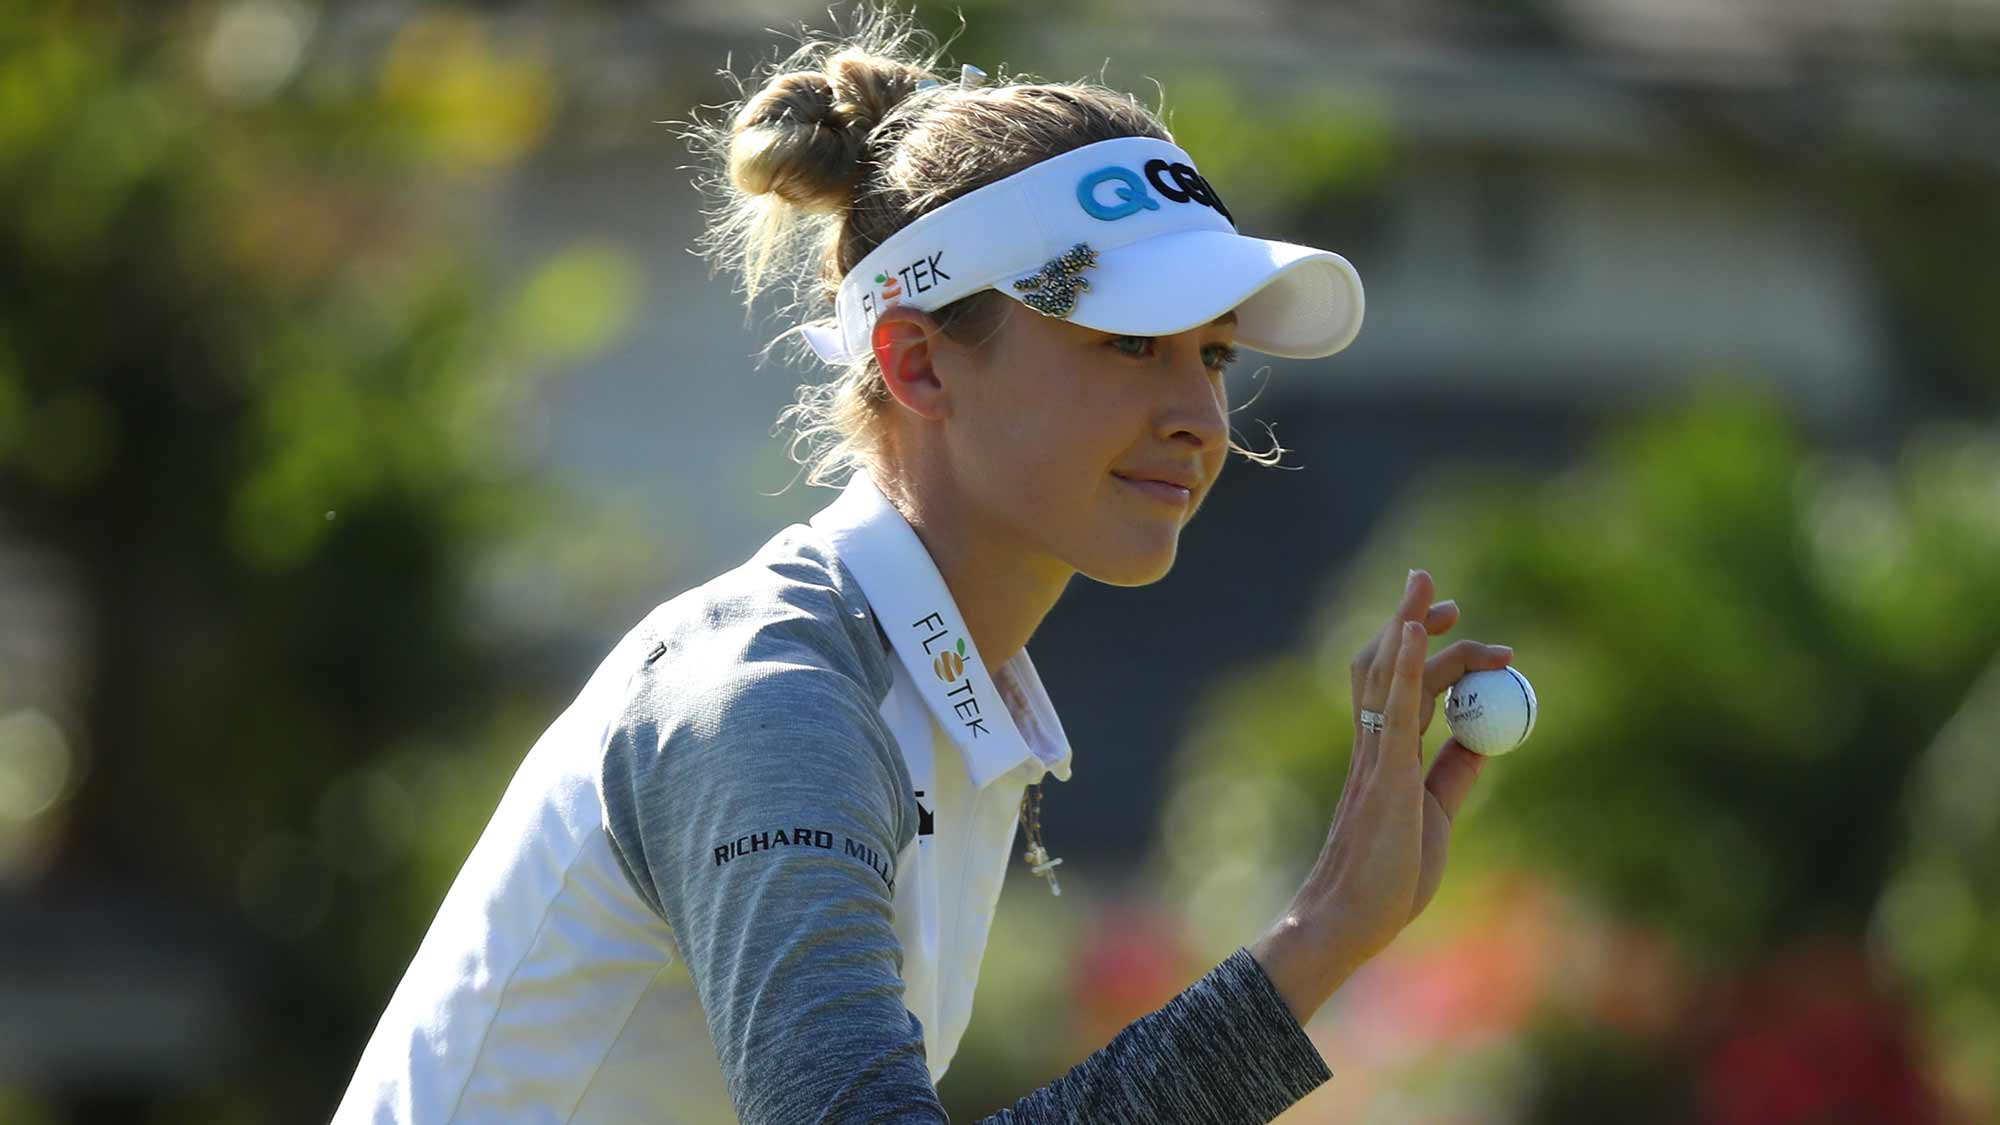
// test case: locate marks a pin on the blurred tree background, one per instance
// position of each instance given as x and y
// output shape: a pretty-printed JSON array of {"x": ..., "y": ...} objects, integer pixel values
[
  {"x": 266, "y": 372},
  {"x": 257, "y": 392},
  {"x": 1758, "y": 664}
]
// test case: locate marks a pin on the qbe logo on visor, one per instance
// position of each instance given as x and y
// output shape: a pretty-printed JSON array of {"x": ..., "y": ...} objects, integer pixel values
[{"x": 1115, "y": 192}]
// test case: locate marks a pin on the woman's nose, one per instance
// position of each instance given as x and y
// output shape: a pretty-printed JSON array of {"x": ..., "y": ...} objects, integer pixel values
[
  {"x": 1199, "y": 401},
  {"x": 1198, "y": 405}
]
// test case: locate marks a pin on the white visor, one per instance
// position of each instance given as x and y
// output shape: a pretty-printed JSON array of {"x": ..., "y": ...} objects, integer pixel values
[{"x": 1163, "y": 256}]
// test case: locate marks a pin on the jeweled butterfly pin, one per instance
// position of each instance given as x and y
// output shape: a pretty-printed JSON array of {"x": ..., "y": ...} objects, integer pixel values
[{"x": 1052, "y": 289}]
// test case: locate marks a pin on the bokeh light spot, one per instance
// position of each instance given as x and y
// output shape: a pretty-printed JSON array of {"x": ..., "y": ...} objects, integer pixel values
[
  {"x": 255, "y": 47},
  {"x": 34, "y": 764}
]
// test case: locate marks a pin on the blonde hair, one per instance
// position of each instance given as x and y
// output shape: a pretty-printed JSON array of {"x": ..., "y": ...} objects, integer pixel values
[{"x": 838, "y": 149}]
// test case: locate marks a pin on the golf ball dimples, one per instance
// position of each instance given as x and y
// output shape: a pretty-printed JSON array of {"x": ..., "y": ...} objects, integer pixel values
[{"x": 1491, "y": 712}]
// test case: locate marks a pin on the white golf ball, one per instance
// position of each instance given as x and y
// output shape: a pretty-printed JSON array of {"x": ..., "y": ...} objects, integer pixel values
[{"x": 1491, "y": 712}]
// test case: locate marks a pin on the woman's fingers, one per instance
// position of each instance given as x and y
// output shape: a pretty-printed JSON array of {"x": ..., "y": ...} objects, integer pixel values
[
  {"x": 1458, "y": 658},
  {"x": 1417, "y": 591},
  {"x": 1441, "y": 617},
  {"x": 1406, "y": 689},
  {"x": 1438, "y": 620},
  {"x": 1371, "y": 670}
]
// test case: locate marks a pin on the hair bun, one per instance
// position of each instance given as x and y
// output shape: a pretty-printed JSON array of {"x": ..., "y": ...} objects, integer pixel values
[
  {"x": 866, "y": 87},
  {"x": 802, "y": 135}
]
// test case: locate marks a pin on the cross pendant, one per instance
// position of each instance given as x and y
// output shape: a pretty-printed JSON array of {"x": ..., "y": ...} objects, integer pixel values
[{"x": 1040, "y": 863}]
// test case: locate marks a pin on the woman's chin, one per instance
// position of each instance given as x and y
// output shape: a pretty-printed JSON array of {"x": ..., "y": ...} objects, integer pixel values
[{"x": 1139, "y": 568}]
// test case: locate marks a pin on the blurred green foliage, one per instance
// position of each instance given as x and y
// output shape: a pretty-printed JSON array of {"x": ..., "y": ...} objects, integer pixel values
[
  {"x": 1289, "y": 159},
  {"x": 1745, "y": 649},
  {"x": 261, "y": 389},
  {"x": 259, "y": 385}
]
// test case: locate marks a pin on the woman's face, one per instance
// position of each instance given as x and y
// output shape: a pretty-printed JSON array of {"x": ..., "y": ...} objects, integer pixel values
[{"x": 1049, "y": 419}]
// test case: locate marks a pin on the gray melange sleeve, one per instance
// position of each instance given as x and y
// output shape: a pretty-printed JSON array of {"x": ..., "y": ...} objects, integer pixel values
[
  {"x": 762, "y": 815},
  {"x": 1226, "y": 1050}
]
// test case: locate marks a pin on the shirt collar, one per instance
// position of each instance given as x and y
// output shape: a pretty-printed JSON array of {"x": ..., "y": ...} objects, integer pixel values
[{"x": 999, "y": 718}]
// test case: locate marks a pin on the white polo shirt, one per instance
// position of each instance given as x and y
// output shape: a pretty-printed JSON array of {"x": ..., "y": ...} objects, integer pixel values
[
  {"x": 549, "y": 986},
  {"x": 973, "y": 740}
]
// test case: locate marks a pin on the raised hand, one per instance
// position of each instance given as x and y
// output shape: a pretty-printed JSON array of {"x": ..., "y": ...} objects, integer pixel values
[{"x": 1384, "y": 855}]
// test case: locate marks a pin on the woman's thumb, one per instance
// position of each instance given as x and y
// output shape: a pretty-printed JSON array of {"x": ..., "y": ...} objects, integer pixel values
[{"x": 1452, "y": 774}]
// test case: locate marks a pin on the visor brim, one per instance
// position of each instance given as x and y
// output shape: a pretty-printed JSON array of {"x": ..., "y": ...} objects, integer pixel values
[{"x": 1291, "y": 301}]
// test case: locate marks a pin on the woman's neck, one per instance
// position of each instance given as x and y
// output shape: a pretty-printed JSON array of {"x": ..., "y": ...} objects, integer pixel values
[{"x": 1002, "y": 589}]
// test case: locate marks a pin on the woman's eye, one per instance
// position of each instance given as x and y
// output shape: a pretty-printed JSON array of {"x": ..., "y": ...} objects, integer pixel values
[{"x": 1216, "y": 357}]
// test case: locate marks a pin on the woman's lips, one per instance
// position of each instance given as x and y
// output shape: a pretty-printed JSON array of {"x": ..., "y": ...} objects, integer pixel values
[{"x": 1159, "y": 490}]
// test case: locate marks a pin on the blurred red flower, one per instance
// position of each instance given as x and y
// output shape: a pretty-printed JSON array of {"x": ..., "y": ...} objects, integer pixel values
[
  {"x": 1131, "y": 961},
  {"x": 1809, "y": 1038}
]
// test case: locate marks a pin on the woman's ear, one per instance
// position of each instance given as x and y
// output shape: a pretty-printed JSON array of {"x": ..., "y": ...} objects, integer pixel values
[{"x": 906, "y": 342}]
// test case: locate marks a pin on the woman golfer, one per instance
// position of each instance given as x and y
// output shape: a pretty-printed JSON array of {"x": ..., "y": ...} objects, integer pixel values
[{"x": 750, "y": 871}]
